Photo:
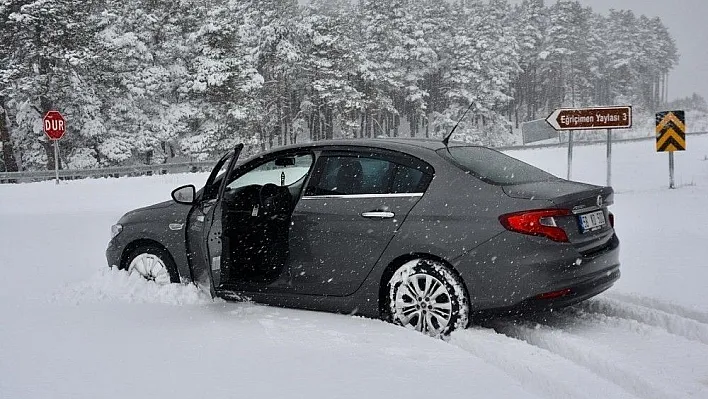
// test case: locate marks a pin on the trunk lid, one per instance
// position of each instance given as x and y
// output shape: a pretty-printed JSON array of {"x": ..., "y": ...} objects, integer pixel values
[{"x": 583, "y": 200}]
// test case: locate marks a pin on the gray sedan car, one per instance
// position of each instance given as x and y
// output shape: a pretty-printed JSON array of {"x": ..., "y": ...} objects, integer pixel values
[{"x": 417, "y": 232}]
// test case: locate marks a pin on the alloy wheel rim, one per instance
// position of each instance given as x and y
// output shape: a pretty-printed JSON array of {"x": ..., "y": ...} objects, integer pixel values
[
  {"x": 150, "y": 267},
  {"x": 423, "y": 303}
]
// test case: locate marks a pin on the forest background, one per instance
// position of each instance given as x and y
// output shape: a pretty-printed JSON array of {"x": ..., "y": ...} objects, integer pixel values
[{"x": 155, "y": 81}]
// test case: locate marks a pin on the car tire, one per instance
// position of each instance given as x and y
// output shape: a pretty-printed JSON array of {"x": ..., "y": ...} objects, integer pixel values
[
  {"x": 152, "y": 263},
  {"x": 427, "y": 296}
]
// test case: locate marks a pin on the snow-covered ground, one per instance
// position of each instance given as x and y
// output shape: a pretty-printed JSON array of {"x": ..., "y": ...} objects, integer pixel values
[{"x": 71, "y": 328}]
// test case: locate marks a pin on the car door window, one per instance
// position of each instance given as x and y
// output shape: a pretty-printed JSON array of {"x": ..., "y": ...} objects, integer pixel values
[
  {"x": 352, "y": 175},
  {"x": 281, "y": 171},
  {"x": 407, "y": 180}
]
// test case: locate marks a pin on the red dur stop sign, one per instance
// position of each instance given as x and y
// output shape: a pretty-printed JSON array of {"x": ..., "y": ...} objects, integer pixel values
[{"x": 54, "y": 125}]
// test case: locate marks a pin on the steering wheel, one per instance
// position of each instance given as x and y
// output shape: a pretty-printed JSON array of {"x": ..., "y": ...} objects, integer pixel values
[
  {"x": 275, "y": 199},
  {"x": 267, "y": 196}
]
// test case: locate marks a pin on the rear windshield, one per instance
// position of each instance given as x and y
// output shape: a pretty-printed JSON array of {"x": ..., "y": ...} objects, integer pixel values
[{"x": 494, "y": 167}]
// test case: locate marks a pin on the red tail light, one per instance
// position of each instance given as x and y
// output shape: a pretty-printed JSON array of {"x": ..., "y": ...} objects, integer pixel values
[
  {"x": 611, "y": 216},
  {"x": 539, "y": 222}
]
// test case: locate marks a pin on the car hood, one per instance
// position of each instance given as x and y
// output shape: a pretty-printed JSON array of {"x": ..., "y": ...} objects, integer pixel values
[{"x": 163, "y": 210}]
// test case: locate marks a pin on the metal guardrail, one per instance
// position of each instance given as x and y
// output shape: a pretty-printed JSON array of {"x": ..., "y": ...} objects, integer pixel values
[
  {"x": 191, "y": 167},
  {"x": 577, "y": 142},
  {"x": 116, "y": 171}
]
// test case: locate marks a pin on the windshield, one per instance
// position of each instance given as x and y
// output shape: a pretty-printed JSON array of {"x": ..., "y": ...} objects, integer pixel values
[{"x": 493, "y": 166}]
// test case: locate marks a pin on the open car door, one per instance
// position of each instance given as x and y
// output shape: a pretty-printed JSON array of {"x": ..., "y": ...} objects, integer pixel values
[
  {"x": 252, "y": 220},
  {"x": 203, "y": 240}
]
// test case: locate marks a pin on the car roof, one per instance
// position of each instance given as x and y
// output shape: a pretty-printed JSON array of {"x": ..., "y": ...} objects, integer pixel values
[
  {"x": 394, "y": 143},
  {"x": 422, "y": 148}
]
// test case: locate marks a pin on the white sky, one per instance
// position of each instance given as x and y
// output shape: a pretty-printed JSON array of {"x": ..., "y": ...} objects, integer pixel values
[{"x": 687, "y": 21}]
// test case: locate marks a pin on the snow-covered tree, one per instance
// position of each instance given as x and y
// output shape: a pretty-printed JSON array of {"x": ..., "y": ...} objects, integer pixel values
[
  {"x": 329, "y": 70},
  {"x": 146, "y": 81},
  {"x": 529, "y": 25},
  {"x": 47, "y": 48}
]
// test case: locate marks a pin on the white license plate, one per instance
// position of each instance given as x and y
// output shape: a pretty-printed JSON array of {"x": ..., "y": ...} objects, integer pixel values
[{"x": 592, "y": 221}]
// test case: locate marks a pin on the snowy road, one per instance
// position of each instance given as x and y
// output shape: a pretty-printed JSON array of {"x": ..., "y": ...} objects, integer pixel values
[
  {"x": 641, "y": 351},
  {"x": 71, "y": 328}
]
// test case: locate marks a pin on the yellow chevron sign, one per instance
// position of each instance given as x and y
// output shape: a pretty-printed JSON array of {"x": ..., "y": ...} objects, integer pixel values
[{"x": 670, "y": 131}]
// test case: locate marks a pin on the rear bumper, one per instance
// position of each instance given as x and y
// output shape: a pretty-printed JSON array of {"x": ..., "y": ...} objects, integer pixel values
[
  {"x": 577, "y": 293},
  {"x": 510, "y": 273}
]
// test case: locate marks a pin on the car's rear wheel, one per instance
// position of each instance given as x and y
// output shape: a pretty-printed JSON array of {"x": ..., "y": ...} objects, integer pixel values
[
  {"x": 152, "y": 263},
  {"x": 429, "y": 297}
]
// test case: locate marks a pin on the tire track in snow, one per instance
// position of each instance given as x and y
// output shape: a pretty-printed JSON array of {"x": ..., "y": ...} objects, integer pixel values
[
  {"x": 605, "y": 363},
  {"x": 647, "y": 360},
  {"x": 673, "y": 323},
  {"x": 538, "y": 370},
  {"x": 652, "y": 303}
]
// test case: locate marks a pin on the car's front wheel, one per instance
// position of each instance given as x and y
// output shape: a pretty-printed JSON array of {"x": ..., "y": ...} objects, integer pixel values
[
  {"x": 152, "y": 263},
  {"x": 429, "y": 297}
]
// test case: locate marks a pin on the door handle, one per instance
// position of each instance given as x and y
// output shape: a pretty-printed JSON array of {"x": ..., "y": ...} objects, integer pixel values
[
  {"x": 176, "y": 226},
  {"x": 378, "y": 214}
]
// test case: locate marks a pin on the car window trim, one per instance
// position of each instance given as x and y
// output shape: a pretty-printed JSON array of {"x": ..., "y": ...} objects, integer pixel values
[
  {"x": 214, "y": 177},
  {"x": 362, "y": 196},
  {"x": 395, "y": 156}
]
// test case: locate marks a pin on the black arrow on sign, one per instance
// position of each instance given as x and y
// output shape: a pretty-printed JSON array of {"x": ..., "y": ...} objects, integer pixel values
[
  {"x": 671, "y": 141},
  {"x": 672, "y": 126}
]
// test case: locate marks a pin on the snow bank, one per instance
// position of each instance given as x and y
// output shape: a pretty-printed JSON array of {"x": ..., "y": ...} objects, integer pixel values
[
  {"x": 112, "y": 285},
  {"x": 92, "y": 195}
]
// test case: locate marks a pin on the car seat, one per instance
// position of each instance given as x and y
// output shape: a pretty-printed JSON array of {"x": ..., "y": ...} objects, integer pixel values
[{"x": 350, "y": 177}]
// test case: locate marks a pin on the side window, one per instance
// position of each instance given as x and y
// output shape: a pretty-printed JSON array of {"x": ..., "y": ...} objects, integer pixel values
[
  {"x": 350, "y": 174},
  {"x": 338, "y": 175},
  {"x": 408, "y": 180},
  {"x": 281, "y": 171}
]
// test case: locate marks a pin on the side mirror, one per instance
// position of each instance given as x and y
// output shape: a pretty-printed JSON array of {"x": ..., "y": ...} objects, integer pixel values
[{"x": 185, "y": 194}]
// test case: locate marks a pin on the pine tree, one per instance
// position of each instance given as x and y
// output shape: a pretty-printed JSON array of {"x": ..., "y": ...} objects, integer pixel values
[
  {"x": 436, "y": 24},
  {"x": 223, "y": 80},
  {"x": 147, "y": 81},
  {"x": 566, "y": 53},
  {"x": 49, "y": 45},
  {"x": 529, "y": 25},
  {"x": 329, "y": 70},
  {"x": 9, "y": 71},
  {"x": 144, "y": 79}
]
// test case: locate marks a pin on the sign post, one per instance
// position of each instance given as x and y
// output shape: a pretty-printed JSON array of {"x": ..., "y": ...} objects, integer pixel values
[
  {"x": 671, "y": 137},
  {"x": 54, "y": 126},
  {"x": 570, "y": 155},
  {"x": 615, "y": 117},
  {"x": 609, "y": 157},
  {"x": 56, "y": 160},
  {"x": 672, "y": 185}
]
